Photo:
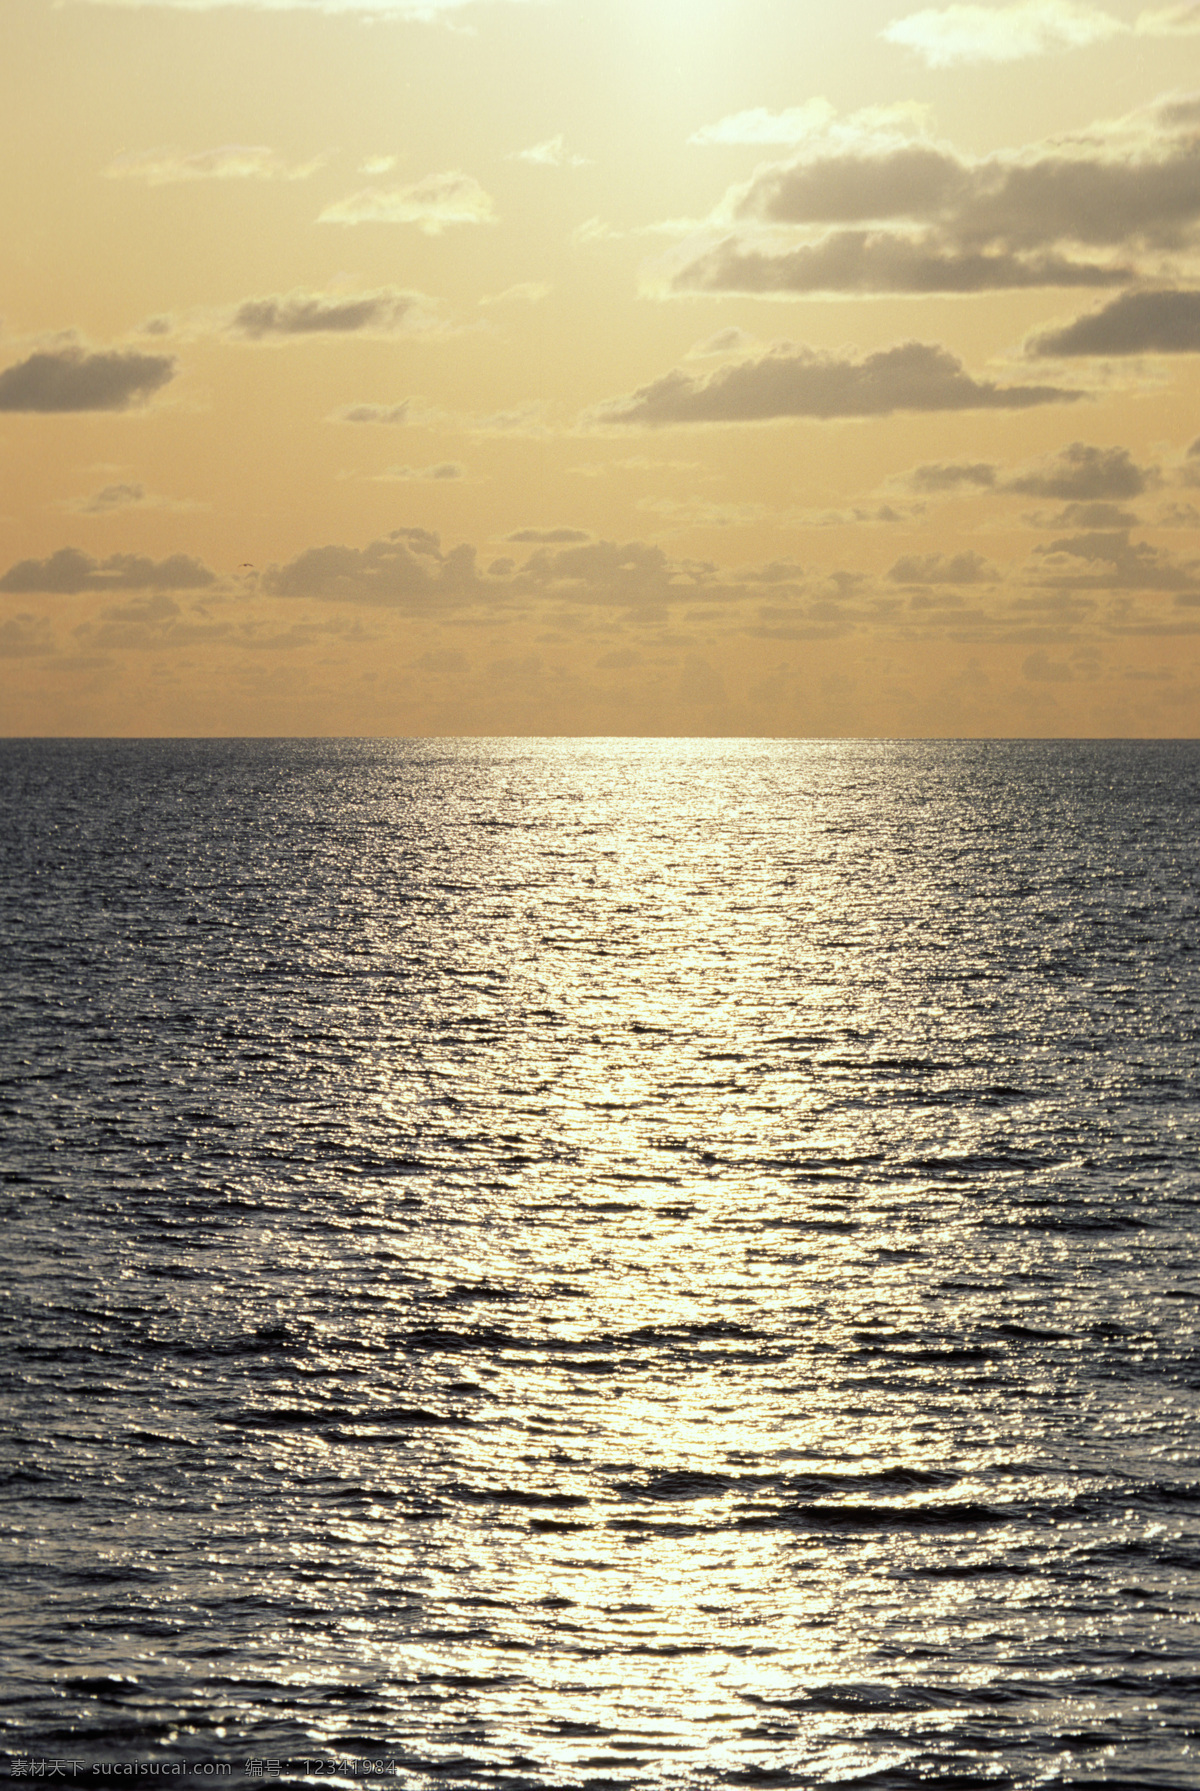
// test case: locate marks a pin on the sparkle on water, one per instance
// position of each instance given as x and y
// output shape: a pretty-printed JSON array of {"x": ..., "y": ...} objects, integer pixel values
[{"x": 604, "y": 1263}]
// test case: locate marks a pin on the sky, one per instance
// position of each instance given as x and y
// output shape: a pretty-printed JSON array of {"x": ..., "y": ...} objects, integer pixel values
[{"x": 600, "y": 367}]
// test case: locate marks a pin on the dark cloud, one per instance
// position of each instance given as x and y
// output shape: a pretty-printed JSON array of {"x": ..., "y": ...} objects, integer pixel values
[
  {"x": 942, "y": 569},
  {"x": 1090, "y": 516},
  {"x": 1107, "y": 560},
  {"x": 1133, "y": 323},
  {"x": 548, "y": 537},
  {"x": 792, "y": 381},
  {"x": 1084, "y": 474},
  {"x": 905, "y": 216},
  {"x": 407, "y": 570},
  {"x": 881, "y": 261},
  {"x": 25, "y": 637},
  {"x": 69, "y": 572},
  {"x": 309, "y": 313},
  {"x": 146, "y": 624},
  {"x": 72, "y": 379},
  {"x": 952, "y": 475}
]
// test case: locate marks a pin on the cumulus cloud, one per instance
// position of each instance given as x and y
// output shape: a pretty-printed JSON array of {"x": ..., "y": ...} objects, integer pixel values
[
  {"x": 70, "y": 572},
  {"x": 432, "y": 204},
  {"x": 406, "y": 570},
  {"x": 945, "y": 36},
  {"x": 792, "y": 381},
  {"x": 942, "y": 569},
  {"x": 1083, "y": 473},
  {"x": 1107, "y": 560},
  {"x": 231, "y": 161},
  {"x": 553, "y": 153},
  {"x": 382, "y": 313},
  {"x": 1139, "y": 322},
  {"x": 73, "y": 378},
  {"x": 879, "y": 212}
]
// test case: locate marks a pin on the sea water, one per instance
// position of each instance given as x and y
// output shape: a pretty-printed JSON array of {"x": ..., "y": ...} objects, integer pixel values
[{"x": 601, "y": 1263}]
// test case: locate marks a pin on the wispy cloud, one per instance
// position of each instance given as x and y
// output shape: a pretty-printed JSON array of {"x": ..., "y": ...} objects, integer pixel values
[
  {"x": 124, "y": 495},
  {"x": 817, "y": 120},
  {"x": 553, "y": 153},
  {"x": 950, "y": 35},
  {"x": 386, "y": 312},
  {"x": 444, "y": 469},
  {"x": 944, "y": 36},
  {"x": 232, "y": 161},
  {"x": 432, "y": 205}
]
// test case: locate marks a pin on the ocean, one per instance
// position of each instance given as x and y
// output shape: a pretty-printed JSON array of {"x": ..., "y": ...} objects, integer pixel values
[{"x": 610, "y": 1264}]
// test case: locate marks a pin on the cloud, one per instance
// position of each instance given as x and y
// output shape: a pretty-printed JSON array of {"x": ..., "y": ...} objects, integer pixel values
[
  {"x": 110, "y": 498},
  {"x": 72, "y": 378},
  {"x": 728, "y": 341},
  {"x": 1089, "y": 516},
  {"x": 445, "y": 469},
  {"x": 530, "y": 292},
  {"x": 125, "y": 495},
  {"x": 594, "y": 230},
  {"x": 1155, "y": 322},
  {"x": 1171, "y": 21},
  {"x": 791, "y": 381},
  {"x": 1107, "y": 560},
  {"x": 942, "y": 569},
  {"x": 871, "y": 212},
  {"x": 25, "y": 637},
  {"x": 951, "y": 35},
  {"x": 1082, "y": 473},
  {"x": 817, "y": 120},
  {"x": 382, "y": 313},
  {"x": 879, "y": 261},
  {"x": 232, "y": 161},
  {"x": 760, "y": 126},
  {"x": 390, "y": 414},
  {"x": 69, "y": 572},
  {"x": 432, "y": 204},
  {"x": 553, "y": 153},
  {"x": 952, "y": 475},
  {"x": 406, "y": 570},
  {"x": 1040, "y": 668},
  {"x": 146, "y": 624},
  {"x": 549, "y": 536}
]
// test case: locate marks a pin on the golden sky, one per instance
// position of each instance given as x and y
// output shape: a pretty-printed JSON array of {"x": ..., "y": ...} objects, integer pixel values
[{"x": 600, "y": 367}]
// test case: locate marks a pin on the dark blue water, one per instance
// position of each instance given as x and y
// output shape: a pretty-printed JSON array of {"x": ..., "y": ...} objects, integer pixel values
[{"x": 611, "y": 1264}]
